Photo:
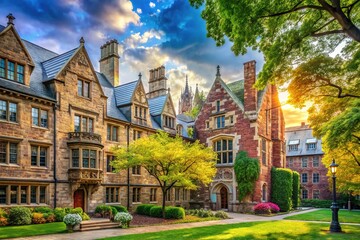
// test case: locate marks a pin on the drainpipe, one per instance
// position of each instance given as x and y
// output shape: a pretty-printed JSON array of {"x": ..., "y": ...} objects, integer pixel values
[
  {"x": 55, "y": 179},
  {"x": 128, "y": 170}
]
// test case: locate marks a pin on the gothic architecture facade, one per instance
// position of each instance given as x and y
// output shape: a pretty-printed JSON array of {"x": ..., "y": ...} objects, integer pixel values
[{"x": 236, "y": 117}]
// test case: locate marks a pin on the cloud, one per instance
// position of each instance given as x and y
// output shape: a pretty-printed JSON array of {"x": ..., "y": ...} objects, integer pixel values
[
  {"x": 138, "y": 39},
  {"x": 152, "y": 5},
  {"x": 139, "y": 11}
]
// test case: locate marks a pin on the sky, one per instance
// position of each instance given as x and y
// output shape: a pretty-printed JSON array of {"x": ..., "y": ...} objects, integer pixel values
[{"x": 150, "y": 34}]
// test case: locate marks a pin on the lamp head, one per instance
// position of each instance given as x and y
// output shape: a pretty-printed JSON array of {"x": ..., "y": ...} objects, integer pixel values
[{"x": 333, "y": 167}]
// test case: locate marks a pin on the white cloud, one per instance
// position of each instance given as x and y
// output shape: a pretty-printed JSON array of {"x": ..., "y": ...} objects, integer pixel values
[
  {"x": 139, "y": 11},
  {"x": 137, "y": 39},
  {"x": 152, "y": 5},
  {"x": 158, "y": 11}
]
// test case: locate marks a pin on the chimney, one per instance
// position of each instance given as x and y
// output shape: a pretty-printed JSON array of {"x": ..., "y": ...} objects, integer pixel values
[
  {"x": 11, "y": 19},
  {"x": 250, "y": 93},
  {"x": 157, "y": 82},
  {"x": 109, "y": 61},
  {"x": 302, "y": 124}
]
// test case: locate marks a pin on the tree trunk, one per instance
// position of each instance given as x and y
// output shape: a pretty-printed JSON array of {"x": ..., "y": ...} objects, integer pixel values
[{"x": 163, "y": 203}]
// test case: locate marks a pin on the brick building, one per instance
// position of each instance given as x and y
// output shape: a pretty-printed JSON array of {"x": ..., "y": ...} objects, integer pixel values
[
  {"x": 236, "y": 117},
  {"x": 304, "y": 155},
  {"x": 59, "y": 119}
]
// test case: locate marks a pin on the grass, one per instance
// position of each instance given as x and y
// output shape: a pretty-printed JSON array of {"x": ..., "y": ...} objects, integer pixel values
[
  {"x": 252, "y": 230},
  {"x": 190, "y": 219},
  {"x": 324, "y": 215},
  {"x": 32, "y": 230}
]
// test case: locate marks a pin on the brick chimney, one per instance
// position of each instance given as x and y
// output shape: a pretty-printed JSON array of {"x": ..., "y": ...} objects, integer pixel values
[
  {"x": 250, "y": 93},
  {"x": 109, "y": 61}
]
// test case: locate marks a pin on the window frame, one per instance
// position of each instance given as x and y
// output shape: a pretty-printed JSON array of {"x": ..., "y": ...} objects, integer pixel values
[
  {"x": 81, "y": 123},
  {"x": 229, "y": 152},
  {"x": 136, "y": 170},
  {"x": 80, "y": 158},
  {"x": 19, "y": 194},
  {"x": 317, "y": 177},
  {"x": 110, "y": 133},
  {"x": 136, "y": 195},
  {"x": 38, "y": 155},
  {"x": 112, "y": 195},
  {"x": 109, "y": 158},
  {"x": 153, "y": 192},
  {"x": 304, "y": 162},
  {"x": 304, "y": 192},
  {"x": 317, "y": 161},
  {"x": 304, "y": 176},
  {"x": 317, "y": 195},
  {"x": 15, "y": 72},
  {"x": 8, "y": 152},
  {"x": 8, "y": 112},
  {"x": 40, "y": 117},
  {"x": 220, "y": 122},
  {"x": 177, "y": 194},
  {"x": 81, "y": 83}
]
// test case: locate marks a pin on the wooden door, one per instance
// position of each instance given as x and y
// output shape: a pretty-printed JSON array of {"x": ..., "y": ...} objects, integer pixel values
[
  {"x": 79, "y": 198},
  {"x": 224, "y": 198}
]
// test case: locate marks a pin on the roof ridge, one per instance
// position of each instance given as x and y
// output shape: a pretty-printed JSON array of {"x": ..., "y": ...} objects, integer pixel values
[
  {"x": 126, "y": 83},
  {"x": 59, "y": 55},
  {"x": 40, "y": 46}
]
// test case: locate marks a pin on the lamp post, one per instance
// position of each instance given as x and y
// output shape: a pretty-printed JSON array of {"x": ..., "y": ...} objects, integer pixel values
[{"x": 334, "y": 226}]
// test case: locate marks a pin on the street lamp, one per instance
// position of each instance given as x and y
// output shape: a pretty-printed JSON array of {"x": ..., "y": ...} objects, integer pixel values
[{"x": 334, "y": 226}]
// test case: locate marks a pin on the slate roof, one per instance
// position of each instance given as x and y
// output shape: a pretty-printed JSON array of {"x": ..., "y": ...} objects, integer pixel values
[
  {"x": 184, "y": 118},
  {"x": 124, "y": 93},
  {"x": 302, "y": 134},
  {"x": 156, "y": 105},
  {"x": 2, "y": 27},
  {"x": 55, "y": 64}
]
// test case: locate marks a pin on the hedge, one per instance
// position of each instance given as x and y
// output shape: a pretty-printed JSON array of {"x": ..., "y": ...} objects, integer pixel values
[
  {"x": 144, "y": 209},
  {"x": 174, "y": 213},
  {"x": 120, "y": 208},
  {"x": 282, "y": 188},
  {"x": 156, "y": 211},
  {"x": 20, "y": 216},
  {"x": 296, "y": 189},
  {"x": 317, "y": 203}
]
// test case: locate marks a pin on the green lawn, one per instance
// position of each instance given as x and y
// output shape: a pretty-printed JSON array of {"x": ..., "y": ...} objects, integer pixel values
[
  {"x": 32, "y": 230},
  {"x": 324, "y": 215},
  {"x": 253, "y": 230}
]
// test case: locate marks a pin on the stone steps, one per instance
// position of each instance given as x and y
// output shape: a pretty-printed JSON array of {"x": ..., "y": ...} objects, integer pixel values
[{"x": 97, "y": 225}]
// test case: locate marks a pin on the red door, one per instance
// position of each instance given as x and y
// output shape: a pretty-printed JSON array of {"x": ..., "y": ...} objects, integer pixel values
[
  {"x": 79, "y": 198},
  {"x": 224, "y": 198}
]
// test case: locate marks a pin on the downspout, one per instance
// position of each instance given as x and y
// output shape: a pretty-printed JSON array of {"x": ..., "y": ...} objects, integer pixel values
[
  {"x": 128, "y": 170},
  {"x": 55, "y": 179}
]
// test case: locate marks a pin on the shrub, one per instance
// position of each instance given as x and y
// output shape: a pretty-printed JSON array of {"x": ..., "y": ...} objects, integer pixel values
[
  {"x": 59, "y": 214},
  {"x": 120, "y": 208},
  {"x": 72, "y": 219},
  {"x": 144, "y": 209},
  {"x": 67, "y": 210},
  {"x": 43, "y": 210},
  {"x": 38, "y": 218},
  {"x": 3, "y": 221},
  {"x": 262, "y": 208},
  {"x": 103, "y": 210},
  {"x": 221, "y": 214},
  {"x": 3, "y": 213},
  {"x": 113, "y": 211},
  {"x": 174, "y": 213},
  {"x": 124, "y": 219},
  {"x": 84, "y": 216},
  {"x": 77, "y": 210},
  {"x": 156, "y": 211},
  {"x": 203, "y": 213},
  {"x": 296, "y": 189},
  {"x": 50, "y": 218},
  {"x": 20, "y": 216},
  {"x": 282, "y": 188},
  {"x": 316, "y": 203},
  {"x": 274, "y": 207}
]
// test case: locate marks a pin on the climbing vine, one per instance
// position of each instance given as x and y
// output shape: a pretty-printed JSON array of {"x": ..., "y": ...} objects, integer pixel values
[{"x": 247, "y": 171}]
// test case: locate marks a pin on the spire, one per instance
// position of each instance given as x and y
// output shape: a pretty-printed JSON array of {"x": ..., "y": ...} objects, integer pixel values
[
  {"x": 140, "y": 75},
  {"x": 186, "y": 85},
  {"x": 82, "y": 41},
  {"x": 11, "y": 19},
  {"x": 218, "y": 71}
]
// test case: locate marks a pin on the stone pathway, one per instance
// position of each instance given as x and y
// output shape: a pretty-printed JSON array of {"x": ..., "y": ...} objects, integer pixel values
[{"x": 235, "y": 218}]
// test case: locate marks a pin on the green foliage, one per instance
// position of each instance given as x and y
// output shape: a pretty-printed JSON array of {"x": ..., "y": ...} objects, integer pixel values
[
  {"x": 282, "y": 188},
  {"x": 247, "y": 171},
  {"x": 203, "y": 213},
  {"x": 3, "y": 213},
  {"x": 77, "y": 210},
  {"x": 84, "y": 216},
  {"x": 156, "y": 211},
  {"x": 43, "y": 210},
  {"x": 59, "y": 214},
  {"x": 221, "y": 214},
  {"x": 20, "y": 216},
  {"x": 103, "y": 210},
  {"x": 174, "y": 213},
  {"x": 120, "y": 208},
  {"x": 318, "y": 203},
  {"x": 296, "y": 189},
  {"x": 193, "y": 112},
  {"x": 144, "y": 209}
]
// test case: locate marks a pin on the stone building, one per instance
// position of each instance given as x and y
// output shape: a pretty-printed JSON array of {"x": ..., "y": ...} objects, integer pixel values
[
  {"x": 304, "y": 154},
  {"x": 59, "y": 119},
  {"x": 236, "y": 117}
]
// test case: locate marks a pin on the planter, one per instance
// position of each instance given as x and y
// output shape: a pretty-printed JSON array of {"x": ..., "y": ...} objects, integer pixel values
[{"x": 71, "y": 228}]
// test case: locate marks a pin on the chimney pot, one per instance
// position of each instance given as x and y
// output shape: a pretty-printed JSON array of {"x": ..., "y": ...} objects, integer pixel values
[{"x": 11, "y": 19}]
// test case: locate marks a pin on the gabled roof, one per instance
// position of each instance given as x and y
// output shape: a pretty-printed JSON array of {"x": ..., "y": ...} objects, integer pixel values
[
  {"x": 54, "y": 65},
  {"x": 184, "y": 118},
  {"x": 1, "y": 28},
  {"x": 124, "y": 93},
  {"x": 231, "y": 93},
  {"x": 157, "y": 104}
]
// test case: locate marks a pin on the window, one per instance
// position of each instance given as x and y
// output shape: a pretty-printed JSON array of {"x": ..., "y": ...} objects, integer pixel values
[
  {"x": 304, "y": 162},
  {"x": 304, "y": 194},
  {"x": 136, "y": 134},
  {"x": 304, "y": 178},
  {"x": 84, "y": 88},
  {"x": 112, "y": 133},
  {"x": 310, "y": 146},
  {"x": 83, "y": 124},
  {"x": 152, "y": 194},
  {"x": 207, "y": 124},
  {"x": 168, "y": 121},
  {"x": 263, "y": 151},
  {"x": 8, "y": 152},
  {"x": 217, "y": 106},
  {"x": 109, "y": 158},
  {"x": 136, "y": 194},
  {"x": 264, "y": 192},
  {"x": 39, "y": 117},
  {"x": 316, "y": 161},
  {"x": 316, "y": 194},
  {"x": 316, "y": 177},
  {"x": 136, "y": 170},
  {"x": 168, "y": 195},
  {"x": 11, "y": 70},
  {"x": 293, "y": 148},
  {"x": 177, "y": 194},
  {"x": 294, "y": 145},
  {"x": 18, "y": 194},
  {"x": 88, "y": 158},
  {"x": 185, "y": 194},
  {"x": 39, "y": 156},
  {"x": 75, "y": 158},
  {"x": 291, "y": 162},
  {"x": 224, "y": 149},
  {"x": 220, "y": 122},
  {"x": 140, "y": 112},
  {"x": 231, "y": 119},
  {"x": 8, "y": 111},
  {"x": 112, "y": 194},
  {"x": 179, "y": 129}
]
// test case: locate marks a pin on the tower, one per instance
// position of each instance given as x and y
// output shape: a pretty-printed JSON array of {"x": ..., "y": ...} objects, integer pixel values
[
  {"x": 157, "y": 82},
  {"x": 185, "y": 102},
  {"x": 109, "y": 62}
]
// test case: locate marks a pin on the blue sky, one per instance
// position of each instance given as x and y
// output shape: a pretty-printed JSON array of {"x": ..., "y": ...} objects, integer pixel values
[{"x": 150, "y": 33}]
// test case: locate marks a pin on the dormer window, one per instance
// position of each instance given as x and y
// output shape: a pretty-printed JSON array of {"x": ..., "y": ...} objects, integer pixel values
[
  {"x": 311, "y": 144},
  {"x": 294, "y": 145},
  {"x": 83, "y": 88},
  {"x": 11, "y": 70}
]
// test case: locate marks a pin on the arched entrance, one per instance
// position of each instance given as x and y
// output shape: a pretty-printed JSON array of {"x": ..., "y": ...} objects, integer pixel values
[
  {"x": 79, "y": 198},
  {"x": 223, "y": 198}
]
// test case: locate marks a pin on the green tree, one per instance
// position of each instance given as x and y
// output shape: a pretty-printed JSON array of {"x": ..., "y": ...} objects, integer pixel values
[{"x": 170, "y": 160}]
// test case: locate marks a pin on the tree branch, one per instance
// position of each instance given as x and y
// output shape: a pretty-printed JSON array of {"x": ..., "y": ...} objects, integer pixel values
[
  {"x": 357, "y": 137},
  {"x": 294, "y": 9},
  {"x": 355, "y": 158},
  {"x": 327, "y": 33}
]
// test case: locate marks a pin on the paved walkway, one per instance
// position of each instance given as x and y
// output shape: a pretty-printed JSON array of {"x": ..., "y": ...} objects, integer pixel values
[{"x": 235, "y": 218}]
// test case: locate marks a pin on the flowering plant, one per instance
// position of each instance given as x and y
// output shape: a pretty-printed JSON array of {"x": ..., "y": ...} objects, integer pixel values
[
  {"x": 72, "y": 219},
  {"x": 266, "y": 208},
  {"x": 124, "y": 218}
]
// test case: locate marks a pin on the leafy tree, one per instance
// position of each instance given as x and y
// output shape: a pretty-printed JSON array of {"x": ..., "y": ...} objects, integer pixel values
[
  {"x": 247, "y": 171},
  {"x": 170, "y": 160}
]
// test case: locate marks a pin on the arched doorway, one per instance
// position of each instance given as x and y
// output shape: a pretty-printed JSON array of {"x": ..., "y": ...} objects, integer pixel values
[
  {"x": 223, "y": 198},
  {"x": 79, "y": 199}
]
